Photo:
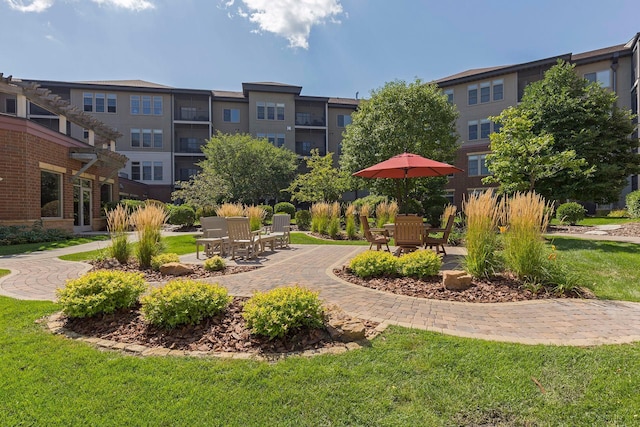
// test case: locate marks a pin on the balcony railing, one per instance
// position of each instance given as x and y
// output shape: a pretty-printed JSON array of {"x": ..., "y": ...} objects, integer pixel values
[
  {"x": 189, "y": 145},
  {"x": 303, "y": 148},
  {"x": 308, "y": 119},
  {"x": 192, "y": 114}
]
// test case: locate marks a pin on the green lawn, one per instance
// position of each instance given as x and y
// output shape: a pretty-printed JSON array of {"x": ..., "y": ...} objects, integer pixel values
[
  {"x": 32, "y": 247},
  {"x": 406, "y": 377},
  {"x": 593, "y": 221},
  {"x": 305, "y": 239},
  {"x": 610, "y": 269}
]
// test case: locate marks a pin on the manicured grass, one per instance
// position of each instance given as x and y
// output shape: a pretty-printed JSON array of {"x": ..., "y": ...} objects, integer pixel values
[
  {"x": 305, "y": 239},
  {"x": 32, "y": 247},
  {"x": 406, "y": 377},
  {"x": 593, "y": 221},
  {"x": 610, "y": 269},
  {"x": 180, "y": 245}
]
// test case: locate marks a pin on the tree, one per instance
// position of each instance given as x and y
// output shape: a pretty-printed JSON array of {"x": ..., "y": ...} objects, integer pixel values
[
  {"x": 323, "y": 182},
  {"x": 519, "y": 159},
  {"x": 203, "y": 189},
  {"x": 583, "y": 117},
  {"x": 241, "y": 168},
  {"x": 399, "y": 118}
]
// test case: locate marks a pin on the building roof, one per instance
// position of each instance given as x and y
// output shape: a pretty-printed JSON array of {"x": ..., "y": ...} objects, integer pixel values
[
  {"x": 270, "y": 87},
  {"x": 126, "y": 83},
  {"x": 351, "y": 102}
]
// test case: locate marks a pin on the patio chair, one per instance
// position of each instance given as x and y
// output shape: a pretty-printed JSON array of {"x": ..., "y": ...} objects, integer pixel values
[
  {"x": 214, "y": 236},
  {"x": 375, "y": 236},
  {"x": 407, "y": 233},
  {"x": 241, "y": 239},
  {"x": 439, "y": 241},
  {"x": 281, "y": 229}
]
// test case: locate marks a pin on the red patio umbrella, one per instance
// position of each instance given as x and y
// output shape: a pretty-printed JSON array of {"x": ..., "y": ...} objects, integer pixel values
[{"x": 407, "y": 165}]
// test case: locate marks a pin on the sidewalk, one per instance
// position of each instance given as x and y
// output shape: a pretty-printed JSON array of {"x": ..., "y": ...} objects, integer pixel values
[{"x": 560, "y": 322}]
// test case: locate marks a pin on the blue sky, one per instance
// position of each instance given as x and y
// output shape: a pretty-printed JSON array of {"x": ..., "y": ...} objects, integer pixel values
[{"x": 329, "y": 47}]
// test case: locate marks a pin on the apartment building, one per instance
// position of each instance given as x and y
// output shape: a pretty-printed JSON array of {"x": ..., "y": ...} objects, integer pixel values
[
  {"x": 46, "y": 175},
  {"x": 163, "y": 128},
  {"x": 482, "y": 93}
]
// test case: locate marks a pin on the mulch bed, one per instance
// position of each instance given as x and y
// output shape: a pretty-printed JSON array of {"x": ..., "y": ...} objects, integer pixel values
[
  {"x": 497, "y": 289},
  {"x": 226, "y": 332}
]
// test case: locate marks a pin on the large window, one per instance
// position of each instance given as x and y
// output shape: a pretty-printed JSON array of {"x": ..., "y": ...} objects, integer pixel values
[
  {"x": 157, "y": 105},
  {"x": 157, "y": 138},
  {"x": 601, "y": 77},
  {"x": 100, "y": 102},
  {"x": 87, "y": 100},
  {"x": 135, "y": 104},
  {"x": 146, "y": 138},
  {"x": 50, "y": 195},
  {"x": 344, "y": 120},
  {"x": 269, "y": 111},
  {"x": 498, "y": 90},
  {"x": 147, "y": 171},
  {"x": 135, "y": 171},
  {"x": 486, "y": 89},
  {"x": 280, "y": 112},
  {"x": 146, "y": 105},
  {"x": 477, "y": 165},
  {"x": 157, "y": 171},
  {"x": 473, "y": 130},
  {"x": 472, "y": 94},
  {"x": 231, "y": 115},
  {"x": 112, "y": 102},
  {"x": 135, "y": 137},
  {"x": 485, "y": 128},
  {"x": 485, "y": 92}
]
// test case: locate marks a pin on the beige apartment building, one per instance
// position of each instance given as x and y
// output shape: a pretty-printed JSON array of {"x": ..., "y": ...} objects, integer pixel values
[
  {"x": 482, "y": 93},
  {"x": 163, "y": 128}
]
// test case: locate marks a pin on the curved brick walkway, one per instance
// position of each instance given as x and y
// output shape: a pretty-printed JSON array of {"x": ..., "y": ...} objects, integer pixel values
[{"x": 561, "y": 322}]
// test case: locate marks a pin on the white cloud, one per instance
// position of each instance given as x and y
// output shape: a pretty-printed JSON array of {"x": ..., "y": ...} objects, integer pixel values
[
  {"x": 135, "y": 5},
  {"x": 30, "y": 6},
  {"x": 291, "y": 19}
]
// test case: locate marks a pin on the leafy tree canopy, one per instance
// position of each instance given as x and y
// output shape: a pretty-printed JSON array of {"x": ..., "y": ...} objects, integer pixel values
[
  {"x": 583, "y": 117},
  {"x": 323, "y": 182},
  {"x": 240, "y": 168},
  {"x": 399, "y": 117}
]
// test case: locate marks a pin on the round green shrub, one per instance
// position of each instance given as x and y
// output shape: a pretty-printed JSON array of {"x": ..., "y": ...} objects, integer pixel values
[
  {"x": 303, "y": 220},
  {"x": 182, "y": 215},
  {"x": 285, "y": 207},
  {"x": 374, "y": 264},
  {"x": 570, "y": 213},
  {"x": 99, "y": 292},
  {"x": 215, "y": 263},
  {"x": 269, "y": 210},
  {"x": 183, "y": 302},
  {"x": 281, "y": 310},
  {"x": 205, "y": 211},
  {"x": 633, "y": 204},
  {"x": 419, "y": 264},
  {"x": 131, "y": 205},
  {"x": 161, "y": 259}
]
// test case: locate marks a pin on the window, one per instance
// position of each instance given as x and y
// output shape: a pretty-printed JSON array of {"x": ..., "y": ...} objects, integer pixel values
[
  {"x": 157, "y": 138},
  {"x": 477, "y": 165},
  {"x": 135, "y": 104},
  {"x": 231, "y": 115},
  {"x": 112, "y": 101},
  {"x": 602, "y": 77},
  {"x": 344, "y": 120},
  {"x": 498, "y": 90},
  {"x": 85, "y": 133},
  {"x": 146, "y": 138},
  {"x": 450, "y": 196},
  {"x": 497, "y": 127},
  {"x": 271, "y": 137},
  {"x": 157, "y": 105},
  {"x": 87, "y": 100},
  {"x": 11, "y": 106},
  {"x": 146, "y": 171},
  {"x": 449, "y": 93},
  {"x": 135, "y": 137},
  {"x": 188, "y": 113},
  {"x": 280, "y": 111},
  {"x": 473, "y": 130},
  {"x": 485, "y": 92},
  {"x": 50, "y": 195},
  {"x": 269, "y": 111},
  {"x": 157, "y": 171},
  {"x": 146, "y": 105},
  {"x": 485, "y": 129},
  {"x": 261, "y": 110},
  {"x": 135, "y": 171},
  {"x": 279, "y": 140},
  {"x": 100, "y": 102},
  {"x": 106, "y": 194},
  {"x": 472, "y": 94},
  {"x": 303, "y": 118}
]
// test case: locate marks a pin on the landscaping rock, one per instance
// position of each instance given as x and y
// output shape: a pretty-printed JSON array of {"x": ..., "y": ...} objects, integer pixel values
[
  {"x": 456, "y": 280},
  {"x": 342, "y": 327},
  {"x": 175, "y": 269}
]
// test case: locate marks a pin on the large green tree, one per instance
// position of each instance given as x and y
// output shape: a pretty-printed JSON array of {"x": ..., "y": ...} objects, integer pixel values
[
  {"x": 238, "y": 167},
  {"x": 397, "y": 118},
  {"x": 519, "y": 159},
  {"x": 582, "y": 117},
  {"x": 322, "y": 183}
]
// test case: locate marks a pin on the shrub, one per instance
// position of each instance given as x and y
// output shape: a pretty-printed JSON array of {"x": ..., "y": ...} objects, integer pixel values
[
  {"x": 269, "y": 211},
  {"x": 350, "y": 226},
  {"x": 158, "y": 260},
  {"x": 633, "y": 204},
  {"x": 118, "y": 225},
  {"x": 570, "y": 213},
  {"x": 618, "y": 213},
  {"x": 419, "y": 264},
  {"x": 320, "y": 215},
  {"x": 205, "y": 211},
  {"x": 282, "y": 310},
  {"x": 182, "y": 215},
  {"x": 102, "y": 291},
  {"x": 303, "y": 220},
  {"x": 284, "y": 207},
  {"x": 483, "y": 213},
  {"x": 215, "y": 263},
  {"x": 148, "y": 222},
  {"x": 374, "y": 264},
  {"x": 256, "y": 215},
  {"x": 183, "y": 302},
  {"x": 131, "y": 205},
  {"x": 19, "y": 234}
]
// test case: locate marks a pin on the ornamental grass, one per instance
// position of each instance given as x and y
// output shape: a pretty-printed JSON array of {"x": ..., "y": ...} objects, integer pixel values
[
  {"x": 118, "y": 225},
  {"x": 230, "y": 209},
  {"x": 386, "y": 212},
  {"x": 320, "y": 216},
  {"x": 256, "y": 215},
  {"x": 483, "y": 212},
  {"x": 148, "y": 221},
  {"x": 350, "y": 221}
]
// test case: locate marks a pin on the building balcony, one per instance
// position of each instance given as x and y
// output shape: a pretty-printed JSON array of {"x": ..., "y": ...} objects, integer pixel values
[
  {"x": 190, "y": 114},
  {"x": 189, "y": 146},
  {"x": 304, "y": 148},
  {"x": 310, "y": 119}
]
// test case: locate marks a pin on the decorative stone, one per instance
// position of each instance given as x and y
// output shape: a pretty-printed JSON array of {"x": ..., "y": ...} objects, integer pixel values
[
  {"x": 175, "y": 269},
  {"x": 456, "y": 280},
  {"x": 343, "y": 327}
]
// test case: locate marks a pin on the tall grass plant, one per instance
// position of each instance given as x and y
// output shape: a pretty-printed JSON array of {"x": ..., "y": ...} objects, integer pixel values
[
  {"x": 320, "y": 215},
  {"x": 148, "y": 221},
  {"x": 118, "y": 226},
  {"x": 256, "y": 215},
  {"x": 350, "y": 221},
  {"x": 483, "y": 212},
  {"x": 230, "y": 209}
]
